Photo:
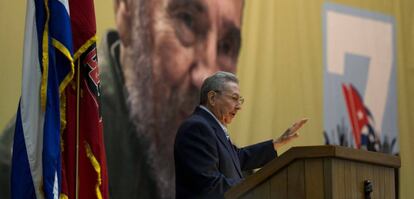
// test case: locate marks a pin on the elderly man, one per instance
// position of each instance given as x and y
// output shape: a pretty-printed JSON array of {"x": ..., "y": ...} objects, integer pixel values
[
  {"x": 206, "y": 162},
  {"x": 151, "y": 71}
]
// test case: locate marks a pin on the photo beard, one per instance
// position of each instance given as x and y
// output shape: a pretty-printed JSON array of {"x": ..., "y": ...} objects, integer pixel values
[{"x": 156, "y": 109}]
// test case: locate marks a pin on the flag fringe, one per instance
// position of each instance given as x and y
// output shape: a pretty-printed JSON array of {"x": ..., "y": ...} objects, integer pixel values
[
  {"x": 97, "y": 168},
  {"x": 84, "y": 47},
  {"x": 45, "y": 59}
]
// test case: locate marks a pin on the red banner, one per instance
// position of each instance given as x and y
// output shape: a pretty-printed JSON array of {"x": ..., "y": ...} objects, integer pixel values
[{"x": 92, "y": 171}]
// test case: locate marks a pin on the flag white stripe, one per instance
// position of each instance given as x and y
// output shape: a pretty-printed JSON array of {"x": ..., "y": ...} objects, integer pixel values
[
  {"x": 66, "y": 4},
  {"x": 56, "y": 187},
  {"x": 32, "y": 116}
]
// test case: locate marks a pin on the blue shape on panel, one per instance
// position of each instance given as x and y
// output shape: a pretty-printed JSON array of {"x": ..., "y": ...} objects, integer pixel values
[{"x": 356, "y": 71}]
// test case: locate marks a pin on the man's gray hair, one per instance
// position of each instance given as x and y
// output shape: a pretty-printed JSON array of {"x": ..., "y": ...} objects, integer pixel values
[{"x": 216, "y": 82}]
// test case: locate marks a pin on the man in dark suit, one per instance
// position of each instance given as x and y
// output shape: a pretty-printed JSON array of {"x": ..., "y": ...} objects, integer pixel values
[{"x": 207, "y": 164}]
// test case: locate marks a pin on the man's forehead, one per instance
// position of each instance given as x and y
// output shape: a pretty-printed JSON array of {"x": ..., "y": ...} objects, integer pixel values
[
  {"x": 230, "y": 10},
  {"x": 232, "y": 87}
]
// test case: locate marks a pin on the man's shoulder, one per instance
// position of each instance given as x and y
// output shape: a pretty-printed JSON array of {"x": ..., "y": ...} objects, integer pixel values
[
  {"x": 109, "y": 38},
  {"x": 195, "y": 119},
  {"x": 106, "y": 55},
  {"x": 196, "y": 128},
  {"x": 110, "y": 72},
  {"x": 200, "y": 116},
  {"x": 199, "y": 120},
  {"x": 113, "y": 96}
]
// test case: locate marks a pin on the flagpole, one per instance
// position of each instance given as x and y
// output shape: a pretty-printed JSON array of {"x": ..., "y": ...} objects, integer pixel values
[{"x": 77, "y": 129}]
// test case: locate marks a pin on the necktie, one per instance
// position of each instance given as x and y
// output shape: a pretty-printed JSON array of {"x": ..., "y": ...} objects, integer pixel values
[
  {"x": 228, "y": 139},
  {"x": 227, "y": 136}
]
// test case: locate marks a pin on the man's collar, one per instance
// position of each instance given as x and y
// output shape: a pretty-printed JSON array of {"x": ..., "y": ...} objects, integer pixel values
[{"x": 208, "y": 111}]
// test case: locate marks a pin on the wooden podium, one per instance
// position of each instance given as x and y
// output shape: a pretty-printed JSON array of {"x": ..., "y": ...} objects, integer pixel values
[{"x": 322, "y": 172}]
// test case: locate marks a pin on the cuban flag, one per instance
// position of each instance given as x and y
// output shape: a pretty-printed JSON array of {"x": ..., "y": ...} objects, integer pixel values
[
  {"x": 44, "y": 122},
  {"x": 361, "y": 119},
  {"x": 47, "y": 69}
]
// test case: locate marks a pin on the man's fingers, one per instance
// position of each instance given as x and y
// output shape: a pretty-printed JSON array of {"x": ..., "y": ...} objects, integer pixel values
[
  {"x": 286, "y": 138},
  {"x": 289, "y": 135},
  {"x": 298, "y": 125},
  {"x": 291, "y": 132}
]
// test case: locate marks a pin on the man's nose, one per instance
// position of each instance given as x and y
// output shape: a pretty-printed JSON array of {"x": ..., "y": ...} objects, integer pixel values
[
  {"x": 205, "y": 64},
  {"x": 238, "y": 106},
  {"x": 200, "y": 72}
]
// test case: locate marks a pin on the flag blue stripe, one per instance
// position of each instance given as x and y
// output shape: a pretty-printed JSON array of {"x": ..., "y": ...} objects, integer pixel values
[
  {"x": 60, "y": 27},
  {"x": 51, "y": 134},
  {"x": 40, "y": 25},
  {"x": 59, "y": 66},
  {"x": 21, "y": 177}
]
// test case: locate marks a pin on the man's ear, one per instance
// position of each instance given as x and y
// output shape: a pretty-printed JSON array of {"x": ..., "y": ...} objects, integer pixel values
[
  {"x": 123, "y": 20},
  {"x": 211, "y": 97}
]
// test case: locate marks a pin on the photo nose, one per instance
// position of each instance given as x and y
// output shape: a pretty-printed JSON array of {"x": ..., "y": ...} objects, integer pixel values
[{"x": 200, "y": 72}]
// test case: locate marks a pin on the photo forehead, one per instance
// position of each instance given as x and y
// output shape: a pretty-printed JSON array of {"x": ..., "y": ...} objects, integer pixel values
[
  {"x": 197, "y": 5},
  {"x": 230, "y": 10}
]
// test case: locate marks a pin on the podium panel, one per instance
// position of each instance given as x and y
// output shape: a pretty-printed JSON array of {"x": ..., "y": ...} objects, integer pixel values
[{"x": 316, "y": 172}]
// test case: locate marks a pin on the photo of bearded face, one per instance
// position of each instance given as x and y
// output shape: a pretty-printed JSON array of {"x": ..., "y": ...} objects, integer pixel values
[{"x": 168, "y": 48}]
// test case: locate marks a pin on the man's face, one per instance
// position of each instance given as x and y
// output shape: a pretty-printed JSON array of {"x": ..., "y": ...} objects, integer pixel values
[
  {"x": 192, "y": 40},
  {"x": 227, "y": 102}
]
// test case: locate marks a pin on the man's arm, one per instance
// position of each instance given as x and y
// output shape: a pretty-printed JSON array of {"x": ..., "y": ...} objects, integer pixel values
[{"x": 257, "y": 155}]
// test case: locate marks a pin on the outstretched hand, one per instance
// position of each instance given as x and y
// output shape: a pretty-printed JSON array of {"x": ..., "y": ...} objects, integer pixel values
[{"x": 290, "y": 134}]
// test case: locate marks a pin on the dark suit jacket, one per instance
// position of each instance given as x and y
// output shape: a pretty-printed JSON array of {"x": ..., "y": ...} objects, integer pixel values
[{"x": 206, "y": 163}]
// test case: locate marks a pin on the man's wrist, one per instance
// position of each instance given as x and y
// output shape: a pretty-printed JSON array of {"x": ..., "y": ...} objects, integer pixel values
[{"x": 276, "y": 144}]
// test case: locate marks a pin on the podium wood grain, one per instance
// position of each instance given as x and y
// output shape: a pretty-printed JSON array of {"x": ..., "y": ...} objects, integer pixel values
[{"x": 321, "y": 172}]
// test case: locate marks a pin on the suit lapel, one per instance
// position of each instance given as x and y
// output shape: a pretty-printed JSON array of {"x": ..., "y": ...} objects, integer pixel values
[{"x": 221, "y": 136}]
